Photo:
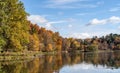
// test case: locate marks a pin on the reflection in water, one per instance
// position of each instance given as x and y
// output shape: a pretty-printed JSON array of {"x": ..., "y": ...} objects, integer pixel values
[{"x": 67, "y": 63}]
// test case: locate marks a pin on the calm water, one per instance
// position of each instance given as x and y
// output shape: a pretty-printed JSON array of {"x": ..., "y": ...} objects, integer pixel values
[{"x": 66, "y": 63}]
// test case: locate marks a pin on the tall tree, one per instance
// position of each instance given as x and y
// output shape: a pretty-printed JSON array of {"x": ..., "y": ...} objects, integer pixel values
[{"x": 14, "y": 25}]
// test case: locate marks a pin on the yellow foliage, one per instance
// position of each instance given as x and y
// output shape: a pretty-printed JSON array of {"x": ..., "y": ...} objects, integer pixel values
[
  {"x": 34, "y": 43},
  {"x": 49, "y": 47}
]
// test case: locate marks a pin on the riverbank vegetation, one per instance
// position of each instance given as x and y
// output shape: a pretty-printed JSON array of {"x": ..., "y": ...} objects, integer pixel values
[{"x": 17, "y": 34}]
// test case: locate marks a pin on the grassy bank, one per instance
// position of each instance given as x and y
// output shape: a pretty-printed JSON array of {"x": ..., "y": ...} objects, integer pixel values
[
  {"x": 12, "y": 56},
  {"x": 8, "y": 56}
]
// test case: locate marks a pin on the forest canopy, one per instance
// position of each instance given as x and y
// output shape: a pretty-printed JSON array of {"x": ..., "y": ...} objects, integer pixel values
[{"x": 19, "y": 34}]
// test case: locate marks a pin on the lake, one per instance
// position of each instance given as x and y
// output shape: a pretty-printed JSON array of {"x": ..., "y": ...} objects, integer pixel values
[{"x": 66, "y": 63}]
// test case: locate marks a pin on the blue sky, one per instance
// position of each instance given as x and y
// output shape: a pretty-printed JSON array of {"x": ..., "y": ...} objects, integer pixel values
[{"x": 76, "y": 18}]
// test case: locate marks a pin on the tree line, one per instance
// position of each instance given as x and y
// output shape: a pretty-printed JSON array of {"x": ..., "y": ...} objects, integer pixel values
[{"x": 19, "y": 34}]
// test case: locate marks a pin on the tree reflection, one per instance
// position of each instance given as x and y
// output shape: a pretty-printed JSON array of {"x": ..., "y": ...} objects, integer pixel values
[{"x": 53, "y": 63}]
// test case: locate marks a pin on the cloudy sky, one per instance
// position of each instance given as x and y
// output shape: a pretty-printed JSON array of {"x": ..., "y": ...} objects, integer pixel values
[{"x": 76, "y": 18}]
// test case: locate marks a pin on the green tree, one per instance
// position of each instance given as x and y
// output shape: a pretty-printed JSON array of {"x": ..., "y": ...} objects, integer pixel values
[{"x": 14, "y": 24}]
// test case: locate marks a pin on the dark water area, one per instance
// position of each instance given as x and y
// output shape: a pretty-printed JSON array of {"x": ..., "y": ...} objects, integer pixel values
[{"x": 66, "y": 63}]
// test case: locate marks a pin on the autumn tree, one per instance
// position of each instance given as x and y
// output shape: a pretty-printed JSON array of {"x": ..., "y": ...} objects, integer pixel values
[
  {"x": 65, "y": 44},
  {"x": 59, "y": 44},
  {"x": 14, "y": 25},
  {"x": 34, "y": 42}
]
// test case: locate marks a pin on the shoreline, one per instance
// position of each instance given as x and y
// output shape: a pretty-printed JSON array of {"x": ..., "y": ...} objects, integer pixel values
[{"x": 11, "y": 56}]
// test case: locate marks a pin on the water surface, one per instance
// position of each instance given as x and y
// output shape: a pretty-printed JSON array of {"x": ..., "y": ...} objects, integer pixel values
[{"x": 66, "y": 63}]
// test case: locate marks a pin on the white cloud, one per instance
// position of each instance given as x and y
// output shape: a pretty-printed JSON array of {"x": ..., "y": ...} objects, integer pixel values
[
  {"x": 114, "y": 20},
  {"x": 49, "y": 24},
  {"x": 111, "y": 20},
  {"x": 79, "y": 35},
  {"x": 89, "y": 34},
  {"x": 96, "y": 21},
  {"x": 37, "y": 19}
]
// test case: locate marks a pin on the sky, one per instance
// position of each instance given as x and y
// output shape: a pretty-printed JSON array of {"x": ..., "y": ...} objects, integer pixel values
[{"x": 76, "y": 18}]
